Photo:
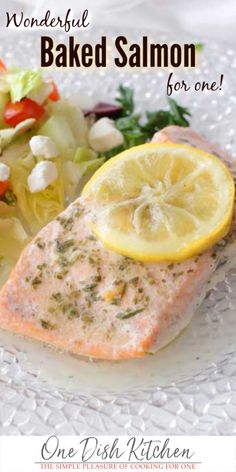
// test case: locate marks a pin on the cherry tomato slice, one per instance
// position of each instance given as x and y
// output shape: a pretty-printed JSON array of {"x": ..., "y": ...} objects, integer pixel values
[
  {"x": 4, "y": 186},
  {"x": 54, "y": 95},
  {"x": 2, "y": 66},
  {"x": 16, "y": 112}
]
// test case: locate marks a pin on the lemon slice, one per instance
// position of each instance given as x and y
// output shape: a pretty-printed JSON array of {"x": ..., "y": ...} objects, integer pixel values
[{"x": 161, "y": 202}]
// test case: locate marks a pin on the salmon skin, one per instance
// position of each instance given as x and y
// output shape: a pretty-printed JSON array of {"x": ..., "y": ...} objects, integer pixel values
[{"x": 69, "y": 291}]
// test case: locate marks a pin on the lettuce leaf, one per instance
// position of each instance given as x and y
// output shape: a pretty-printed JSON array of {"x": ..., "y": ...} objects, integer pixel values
[
  {"x": 71, "y": 175},
  {"x": 40, "y": 93},
  {"x": 78, "y": 172},
  {"x": 13, "y": 238},
  {"x": 74, "y": 117},
  {"x": 91, "y": 166},
  {"x": 58, "y": 129},
  {"x": 88, "y": 168},
  {"x": 84, "y": 154},
  {"x": 8, "y": 135},
  {"x": 37, "y": 209},
  {"x": 23, "y": 82}
]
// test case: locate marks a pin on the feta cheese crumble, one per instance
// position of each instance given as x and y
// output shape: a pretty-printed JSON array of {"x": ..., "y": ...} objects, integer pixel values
[
  {"x": 43, "y": 146},
  {"x": 104, "y": 136},
  {"x": 42, "y": 175}
]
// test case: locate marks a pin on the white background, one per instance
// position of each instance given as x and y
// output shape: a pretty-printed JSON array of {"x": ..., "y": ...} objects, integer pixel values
[{"x": 213, "y": 19}]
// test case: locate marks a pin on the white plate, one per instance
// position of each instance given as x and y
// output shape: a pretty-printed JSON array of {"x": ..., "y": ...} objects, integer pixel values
[{"x": 190, "y": 386}]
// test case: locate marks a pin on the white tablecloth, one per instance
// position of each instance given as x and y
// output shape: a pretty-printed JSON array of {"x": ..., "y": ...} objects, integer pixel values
[{"x": 213, "y": 19}]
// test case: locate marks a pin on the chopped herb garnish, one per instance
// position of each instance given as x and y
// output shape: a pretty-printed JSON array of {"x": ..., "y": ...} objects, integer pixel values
[
  {"x": 73, "y": 313},
  {"x": 116, "y": 301},
  {"x": 36, "y": 281},
  {"x": 63, "y": 246},
  {"x": 77, "y": 210},
  {"x": 177, "y": 274},
  {"x": 87, "y": 318},
  {"x": 40, "y": 244},
  {"x": 97, "y": 278},
  {"x": 134, "y": 280},
  {"x": 66, "y": 307},
  {"x": 128, "y": 314},
  {"x": 122, "y": 267},
  {"x": 90, "y": 287},
  {"x": 170, "y": 266},
  {"x": 66, "y": 223},
  {"x": 42, "y": 266},
  {"x": 75, "y": 293},
  {"x": 47, "y": 325},
  {"x": 221, "y": 244},
  {"x": 63, "y": 262},
  {"x": 222, "y": 263},
  {"x": 56, "y": 296}
]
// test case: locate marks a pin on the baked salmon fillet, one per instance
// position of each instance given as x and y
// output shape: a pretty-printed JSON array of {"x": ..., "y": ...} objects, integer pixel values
[{"x": 69, "y": 291}]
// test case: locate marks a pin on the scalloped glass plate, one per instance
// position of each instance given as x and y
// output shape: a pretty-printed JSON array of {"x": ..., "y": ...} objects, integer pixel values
[{"x": 190, "y": 386}]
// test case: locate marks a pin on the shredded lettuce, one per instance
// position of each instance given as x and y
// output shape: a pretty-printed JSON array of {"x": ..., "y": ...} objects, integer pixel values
[
  {"x": 37, "y": 209},
  {"x": 74, "y": 117},
  {"x": 16, "y": 149},
  {"x": 7, "y": 135},
  {"x": 72, "y": 175},
  {"x": 58, "y": 129},
  {"x": 77, "y": 172},
  {"x": 40, "y": 94},
  {"x": 84, "y": 154},
  {"x": 22, "y": 82},
  {"x": 90, "y": 167},
  {"x": 13, "y": 238},
  {"x": 7, "y": 211}
]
